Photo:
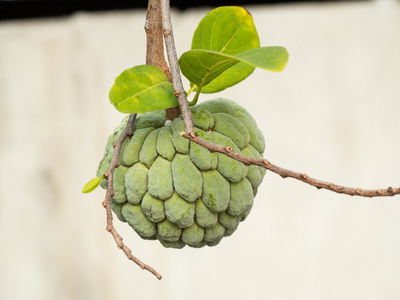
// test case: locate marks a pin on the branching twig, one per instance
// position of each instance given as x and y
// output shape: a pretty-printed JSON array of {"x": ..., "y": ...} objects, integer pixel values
[
  {"x": 155, "y": 47},
  {"x": 288, "y": 173},
  {"x": 189, "y": 134},
  {"x": 128, "y": 131},
  {"x": 174, "y": 66},
  {"x": 155, "y": 57}
]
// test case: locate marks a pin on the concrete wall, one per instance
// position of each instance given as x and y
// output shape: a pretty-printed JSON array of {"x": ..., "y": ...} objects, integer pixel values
[{"x": 332, "y": 113}]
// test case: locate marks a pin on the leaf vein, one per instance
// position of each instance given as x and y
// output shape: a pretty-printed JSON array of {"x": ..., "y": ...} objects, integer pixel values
[{"x": 140, "y": 92}]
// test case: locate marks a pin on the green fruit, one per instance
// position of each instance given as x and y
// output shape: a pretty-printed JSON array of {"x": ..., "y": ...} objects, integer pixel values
[
  {"x": 216, "y": 191},
  {"x": 255, "y": 174},
  {"x": 171, "y": 189},
  {"x": 169, "y": 231},
  {"x": 179, "y": 211},
  {"x": 131, "y": 148},
  {"x": 135, "y": 217},
  {"x": 241, "y": 197},
  {"x": 155, "y": 119},
  {"x": 153, "y": 208},
  {"x": 200, "y": 156},
  {"x": 228, "y": 221},
  {"x": 231, "y": 169},
  {"x": 188, "y": 181},
  {"x": 204, "y": 216},
  {"x": 164, "y": 143},
  {"x": 118, "y": 184},
  {"x": 217, "y": 106},
  {"x": 180, "y": 143},
  {"x": 160, "y": 183},
  {"x": 135, "y": 181},
  {"x": 202, "y": 118},
  {"x": 193, "y": 235},
  {"x": 232, "y": 128},
  {"x": 117, "y": 209},
  {"x": 214, "y": 234},
  {"x": 148, "y": 153}
]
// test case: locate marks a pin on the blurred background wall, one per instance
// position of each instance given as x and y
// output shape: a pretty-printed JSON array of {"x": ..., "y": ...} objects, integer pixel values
[{"x": 332, "y": 113}]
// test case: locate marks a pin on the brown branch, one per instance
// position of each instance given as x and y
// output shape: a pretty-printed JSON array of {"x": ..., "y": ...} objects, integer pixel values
[
  {"x": 191, "y": 135},
  {"x": 174, "y": 66},
  {"x": 155, "y": 57},
  {"x": 155, "y": 48},
  {"x": 128, "y": 131},
  {"x": 284, "y": 173}
]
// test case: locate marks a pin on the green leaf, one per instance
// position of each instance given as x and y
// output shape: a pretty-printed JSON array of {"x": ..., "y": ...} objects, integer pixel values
[
  {"x": 228, "y": 30},
  {"x": 142, "y": 89},
  {"x": 230, "y": 77},
  {"x": 92, "y": 185},
  {"x": 202, "y": 66}
]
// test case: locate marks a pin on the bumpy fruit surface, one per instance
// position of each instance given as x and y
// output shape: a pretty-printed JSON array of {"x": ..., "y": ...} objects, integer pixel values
[{"x": 171, "y": 189}]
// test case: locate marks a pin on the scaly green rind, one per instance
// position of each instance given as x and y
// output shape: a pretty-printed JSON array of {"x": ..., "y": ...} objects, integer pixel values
[
  {"x": 200, "y": 156},
  {"x": 179, "y": 211},
  {"x": 160, "y": 183},
  {"x": 187, "y": 178},
  {"x": 153, "y": 208},
  {"x": 216, "y": 191},
  {"x": 138, "y": 221},
  {"x": 230, "y": 168},
  {"x": 136, "y": 180}
]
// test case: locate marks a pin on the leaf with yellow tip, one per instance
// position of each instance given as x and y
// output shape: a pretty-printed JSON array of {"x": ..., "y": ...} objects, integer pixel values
[{"x": 92, "y": 185}]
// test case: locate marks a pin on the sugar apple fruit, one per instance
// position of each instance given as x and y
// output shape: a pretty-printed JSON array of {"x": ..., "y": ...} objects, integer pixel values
[{"x": 171, "y": 189}]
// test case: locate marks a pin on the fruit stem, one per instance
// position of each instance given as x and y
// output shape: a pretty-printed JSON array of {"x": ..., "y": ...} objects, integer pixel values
[{"x": 196, "y": 97}]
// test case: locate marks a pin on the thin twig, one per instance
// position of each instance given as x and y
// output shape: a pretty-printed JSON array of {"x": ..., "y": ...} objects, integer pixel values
[
  {"x": 155, "y": 47},
  {"x": 128, "y": 131},
  {"x": 284, "y": 173},
  {"x": 174, "y": 66},
  {"x": 189, "y": 134}
]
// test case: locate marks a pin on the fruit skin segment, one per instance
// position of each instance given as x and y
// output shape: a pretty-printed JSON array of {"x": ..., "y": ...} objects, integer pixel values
[
  {"x": 188, "y": 181},
  {"x": 170, "y": 189},
  {"x": 164, "y": 143},
  {"x": 231, "y": 169},
  {"x": 153, "y": 208},
  {"x": 216, "y": 191},
  {"x": 148, "y": 153},
  {"x": 118, "y": 184},
  {"x": 130, "y": 151},
  {"x": 232, "y": 128},
  {"x": 200, "y": 156},
  {"x": 160, "y": 183},
  {"x": 139, "y": 222},
  {"x": 204, "y": 216},
  {"x": 179, "y": 211},
  {"x": 136, "y": 179}
]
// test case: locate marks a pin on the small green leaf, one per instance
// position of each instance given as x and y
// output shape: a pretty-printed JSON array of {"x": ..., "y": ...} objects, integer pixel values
[
  {"x": 142, "y": 89},
  {"x": 202, "y": 66},
  {"x": 228, "y": 30},
  {"x": 92, "y": 185}
]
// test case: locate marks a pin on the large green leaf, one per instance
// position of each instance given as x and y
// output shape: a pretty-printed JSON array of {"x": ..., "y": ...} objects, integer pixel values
[
  {"x": 142, "y": 89},
  {"x": 202, "y": 66},
  {"x": 230, "y": 77},
  {"x": 228, "y": 30}
]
